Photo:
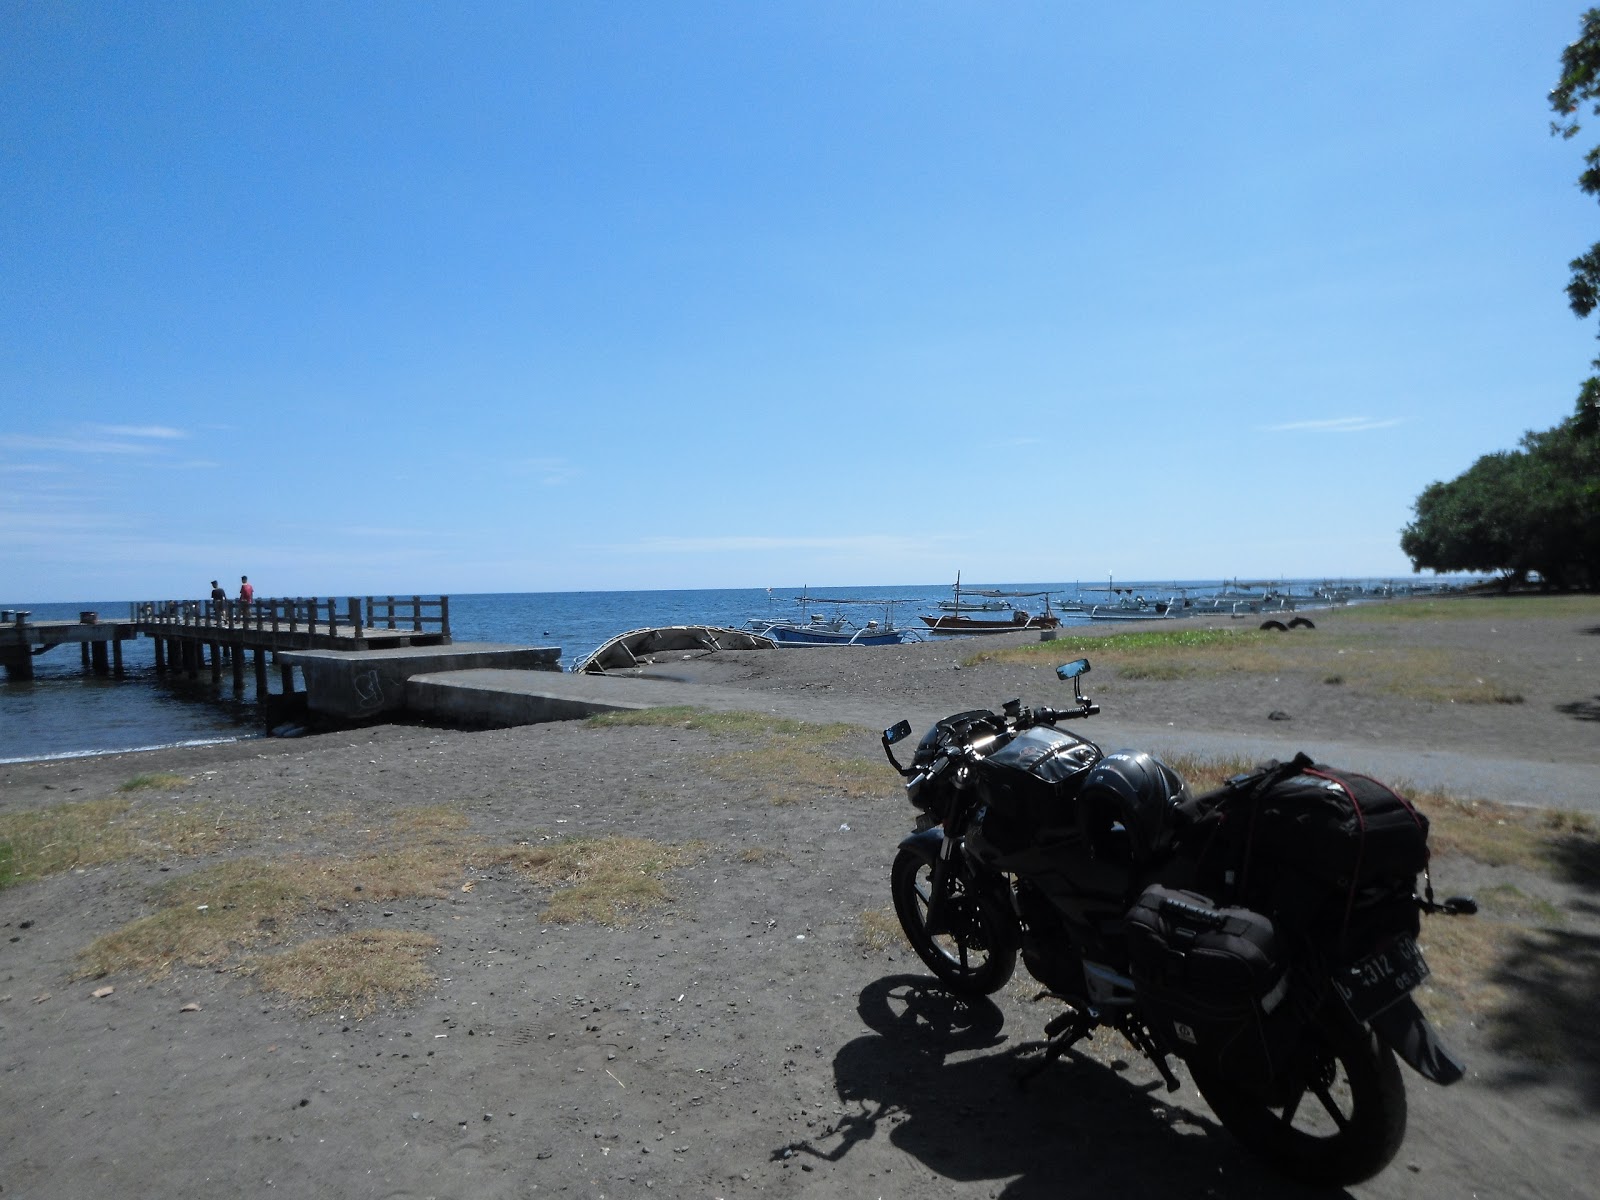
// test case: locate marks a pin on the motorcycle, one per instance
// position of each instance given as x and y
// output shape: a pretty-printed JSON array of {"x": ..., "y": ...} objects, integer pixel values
[{"x": 1263, "y": 933}]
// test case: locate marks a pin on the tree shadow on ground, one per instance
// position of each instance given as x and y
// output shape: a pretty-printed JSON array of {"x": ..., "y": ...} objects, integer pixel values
[
  {"x": 1554, "y": 977},
  {"x": 1551, "y": 976},
  {"x": 1582, "y": 710},
  {"x": 940, "y": 1079}
]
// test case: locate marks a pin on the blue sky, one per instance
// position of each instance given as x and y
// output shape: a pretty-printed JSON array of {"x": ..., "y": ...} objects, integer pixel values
[{"x": 550, "y": 296}]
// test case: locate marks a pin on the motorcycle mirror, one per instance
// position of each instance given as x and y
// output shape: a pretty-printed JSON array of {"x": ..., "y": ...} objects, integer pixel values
[
  {"x": 1071, "y": 670},
  {"x": 897, "y": 732}
]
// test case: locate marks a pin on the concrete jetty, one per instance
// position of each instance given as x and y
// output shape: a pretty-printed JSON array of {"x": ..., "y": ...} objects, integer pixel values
[{"x": 357, "y": 685}]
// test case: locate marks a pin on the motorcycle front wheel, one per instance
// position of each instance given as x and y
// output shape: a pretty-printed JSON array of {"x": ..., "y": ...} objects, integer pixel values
[
  {"x": 973, "y": 951},
  {"x": 1339, "y": 1123}
]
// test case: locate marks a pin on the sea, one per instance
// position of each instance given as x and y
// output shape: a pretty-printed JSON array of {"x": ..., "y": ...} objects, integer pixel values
[{"x": 66, "y": 711}]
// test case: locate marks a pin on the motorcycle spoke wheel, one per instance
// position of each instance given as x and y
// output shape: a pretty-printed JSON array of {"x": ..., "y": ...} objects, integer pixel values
[
  {"x": 969, "y": 949},
  {"x": 1341, "y": 1124}
]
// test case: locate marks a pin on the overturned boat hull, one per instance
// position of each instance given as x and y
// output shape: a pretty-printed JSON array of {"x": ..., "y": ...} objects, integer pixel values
[{"x": 635, "y": 648}]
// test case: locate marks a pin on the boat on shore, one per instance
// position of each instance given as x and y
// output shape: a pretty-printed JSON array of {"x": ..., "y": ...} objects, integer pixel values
[
  {"x": 815, "y": 629},
  {"x": 954, "y": 618},
  {"x": 635, "y": 648},
  {"x": 1018, "y": 620},
  {"x": 1137, "y": 608}
]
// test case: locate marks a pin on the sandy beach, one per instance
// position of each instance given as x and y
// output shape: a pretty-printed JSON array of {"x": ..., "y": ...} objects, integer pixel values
[{"x": 744, "y": 1038}]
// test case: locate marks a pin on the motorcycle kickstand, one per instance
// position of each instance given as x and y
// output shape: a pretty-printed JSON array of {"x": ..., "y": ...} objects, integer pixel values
[
  {"x": 1140, "y": 1041},
  {"x": 1062, "y": 1033}
]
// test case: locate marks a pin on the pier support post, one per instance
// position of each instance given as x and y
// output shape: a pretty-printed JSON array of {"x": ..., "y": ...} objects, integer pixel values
[
  {"x": 261, "y": 674},
  {"x": 19, "y": 666},
  {"x": 98, "y": 652},
  {"x": 116, "y": 656},
  {"x": 286, "y": 674},
  {"x": 84, "y": 647},
  {"x": 161, "y": 656},
  {"x": 238, "y": 672},
  {"x": 216, "y": 662},
  {"x": 191, "y": 658}
]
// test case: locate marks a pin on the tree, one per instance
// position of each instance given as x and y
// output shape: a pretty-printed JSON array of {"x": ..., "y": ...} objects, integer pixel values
[
  {"x": 1580, "y": 85},
  {"x": 1536, "y": 509}
]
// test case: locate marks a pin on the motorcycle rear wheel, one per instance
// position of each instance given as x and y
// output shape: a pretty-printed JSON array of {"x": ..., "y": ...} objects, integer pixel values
[
  {"x": 1342, "y": 1125},
  {"x": 973, "y": 952}
]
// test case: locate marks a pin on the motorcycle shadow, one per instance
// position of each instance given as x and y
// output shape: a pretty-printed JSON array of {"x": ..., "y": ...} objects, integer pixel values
[{"x": 942, "y": 1079}]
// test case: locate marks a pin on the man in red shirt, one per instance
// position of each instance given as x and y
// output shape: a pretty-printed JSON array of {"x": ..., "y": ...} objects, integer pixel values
[{"x": 246, "y": 592}]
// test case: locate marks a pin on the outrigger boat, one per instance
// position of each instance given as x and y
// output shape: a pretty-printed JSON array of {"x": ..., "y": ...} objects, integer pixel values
[
  {"x": 956, "y": 622},
  {"x": 814, "y": 629}
]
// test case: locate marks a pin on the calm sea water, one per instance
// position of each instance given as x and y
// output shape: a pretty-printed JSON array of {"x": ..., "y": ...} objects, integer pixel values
[{"x": 66, "y": 711}]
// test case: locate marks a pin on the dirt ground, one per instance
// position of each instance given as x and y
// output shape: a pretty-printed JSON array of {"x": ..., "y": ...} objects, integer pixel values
[{"x": 742, "y": 1040}]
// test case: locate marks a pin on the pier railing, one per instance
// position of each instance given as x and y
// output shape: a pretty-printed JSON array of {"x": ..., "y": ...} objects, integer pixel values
[{"x": 313, "y": 615}]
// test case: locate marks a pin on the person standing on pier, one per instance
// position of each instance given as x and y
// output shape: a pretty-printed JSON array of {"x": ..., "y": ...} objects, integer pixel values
[
  {"x": 219, "y": 599},
  {"x": 247, "y": 593}
]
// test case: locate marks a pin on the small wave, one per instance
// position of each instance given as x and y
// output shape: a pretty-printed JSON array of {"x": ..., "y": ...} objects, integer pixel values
[{"x": 213, "y": 741}]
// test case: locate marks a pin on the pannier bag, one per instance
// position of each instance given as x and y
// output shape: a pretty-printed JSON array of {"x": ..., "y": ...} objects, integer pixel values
[{"x": 1210, "y": 980}]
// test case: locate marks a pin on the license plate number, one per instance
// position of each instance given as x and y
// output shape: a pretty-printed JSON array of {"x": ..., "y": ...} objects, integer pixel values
[{"x": 1382, "y": 977}]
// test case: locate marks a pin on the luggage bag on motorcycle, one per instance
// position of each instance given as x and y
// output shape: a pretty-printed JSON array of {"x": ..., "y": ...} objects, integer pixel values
[
  {"x": 1330, "y": 851},
  {"x": 1210, "y": 980}
]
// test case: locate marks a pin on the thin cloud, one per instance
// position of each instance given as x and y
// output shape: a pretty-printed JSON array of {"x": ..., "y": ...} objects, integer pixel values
[
  {"x": 74, "y": 445},
  {"x": 552, "y": 472},
  {"x": 164, "y": 432},
  {"x": 745, "y": 544},
  {"x": 1336, "y": 425}
]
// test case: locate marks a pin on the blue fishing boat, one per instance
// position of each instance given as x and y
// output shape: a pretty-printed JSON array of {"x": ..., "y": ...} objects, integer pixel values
[{"x": 815, "y": 629}]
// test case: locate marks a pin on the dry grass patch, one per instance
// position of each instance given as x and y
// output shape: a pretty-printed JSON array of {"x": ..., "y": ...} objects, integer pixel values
[
  {"x": 205, "y": 918},
  {"x": 1474, "y": 608},
  {"x": 350, "y": 973},
  {"x": 789, "y": 762},
  {"x": 609, "y": 880},
  {"x": 1353, "y": 658},
  {"x": 880, "y": 931},
  {"x": 89, "y": 833},
  {"x": 793, "y": 773}
]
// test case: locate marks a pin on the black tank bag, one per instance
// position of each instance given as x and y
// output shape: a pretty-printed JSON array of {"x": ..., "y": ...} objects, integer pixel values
[{"x": 1210, "y": 980}]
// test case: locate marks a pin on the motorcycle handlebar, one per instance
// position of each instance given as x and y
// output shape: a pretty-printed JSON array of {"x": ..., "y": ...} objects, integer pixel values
[{"x": 1049, "y": 716}]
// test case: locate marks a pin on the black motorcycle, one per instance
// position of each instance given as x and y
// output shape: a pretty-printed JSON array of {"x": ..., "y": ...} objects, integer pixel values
[{"x": 1264, "y": 933}]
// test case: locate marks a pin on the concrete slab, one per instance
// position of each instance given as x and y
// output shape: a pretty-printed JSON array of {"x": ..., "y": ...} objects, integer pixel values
[
  {"x": 497, "y": 697},
  {"x": 358, "y": 684}
]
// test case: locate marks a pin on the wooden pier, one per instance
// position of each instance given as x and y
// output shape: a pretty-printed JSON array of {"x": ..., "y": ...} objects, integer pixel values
[{"x": 188, "y": 633}]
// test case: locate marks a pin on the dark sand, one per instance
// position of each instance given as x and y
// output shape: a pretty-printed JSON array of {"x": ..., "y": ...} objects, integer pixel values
[{"x": 740, "y": 1041}]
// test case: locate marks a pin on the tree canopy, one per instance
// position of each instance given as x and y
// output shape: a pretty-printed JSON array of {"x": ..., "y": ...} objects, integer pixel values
[
  {"x": 1526, "y": 511},
  {"x": 1534, "y": 510},
  {"x": 1580, "y": 86}
]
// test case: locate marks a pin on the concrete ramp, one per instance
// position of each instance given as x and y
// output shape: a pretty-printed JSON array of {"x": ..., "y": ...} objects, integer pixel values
[{"x": 493, "y": 697}]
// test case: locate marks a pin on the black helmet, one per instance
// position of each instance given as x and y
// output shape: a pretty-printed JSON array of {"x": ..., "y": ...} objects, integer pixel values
[{"x": 1140, "y": 791}]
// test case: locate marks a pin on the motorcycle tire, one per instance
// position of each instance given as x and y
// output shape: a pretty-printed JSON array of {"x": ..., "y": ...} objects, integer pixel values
[
  {"x": 1342, "y": 1126},
  {"x": 974, "y": 951}
]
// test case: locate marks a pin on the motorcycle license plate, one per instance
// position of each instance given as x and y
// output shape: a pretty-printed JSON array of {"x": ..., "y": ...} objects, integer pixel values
[{"x": 1382, "y": 977}]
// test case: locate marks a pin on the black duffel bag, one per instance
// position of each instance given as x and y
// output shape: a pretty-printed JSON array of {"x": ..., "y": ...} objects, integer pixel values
[{"x": 1327, "y": 853}]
